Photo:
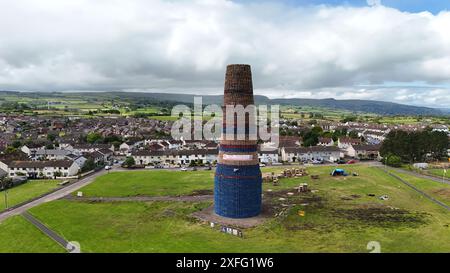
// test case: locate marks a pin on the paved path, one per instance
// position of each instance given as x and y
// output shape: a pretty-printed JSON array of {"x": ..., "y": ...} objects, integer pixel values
[
  {"x": 434, "y": 200},
  {"x": 434, "y": 178},
  {"x": 52, "y": 196},
  {"x": 50, "y": 233},
  {"x": 184, "y": 198}
]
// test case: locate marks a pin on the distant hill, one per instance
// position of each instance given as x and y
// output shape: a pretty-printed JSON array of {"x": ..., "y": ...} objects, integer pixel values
[{"x": 367, "y": 106}]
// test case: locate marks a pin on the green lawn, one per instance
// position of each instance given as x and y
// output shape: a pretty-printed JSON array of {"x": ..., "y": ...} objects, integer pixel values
[
  {"x": 340, "y": 216},
  {"x": 164, "y": 118},
  {"x": 438, "y": 190},
  {"x": 439, "y": 172},
  {"x": 150, "y": 182},
  {"x": 18, "y": 235},
  {"x": 27, "y": 191}
]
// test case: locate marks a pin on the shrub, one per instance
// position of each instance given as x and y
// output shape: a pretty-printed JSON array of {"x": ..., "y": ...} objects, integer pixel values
[{"x": 394, "y": 161}]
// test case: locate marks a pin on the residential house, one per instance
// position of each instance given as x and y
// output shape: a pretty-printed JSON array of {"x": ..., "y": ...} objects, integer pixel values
[
  {"x": 127, "y": 146},
  {"x": 364, "y": 151},
  {"x": 323, "y": 153},
  {"x": 89, "y": 148},
  {"x": 30, "y": 149},
  {"x": 43, "y": 169},
  {"x": 346, "y": 143},
  {"x": 174, "y": 157},
  {"x": 325, "y": 141},
  {"x": 268, "y": 156},
  {"x": 50, "y": 154}
]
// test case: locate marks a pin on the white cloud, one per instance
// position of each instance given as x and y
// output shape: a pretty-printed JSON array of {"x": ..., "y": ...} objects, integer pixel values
[
  {"x": 374, "y": 2},
  {"x": 185, "y": 45}
]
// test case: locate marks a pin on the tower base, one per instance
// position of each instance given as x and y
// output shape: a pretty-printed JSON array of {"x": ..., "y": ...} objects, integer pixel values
[{"x": 237, "y": 191}]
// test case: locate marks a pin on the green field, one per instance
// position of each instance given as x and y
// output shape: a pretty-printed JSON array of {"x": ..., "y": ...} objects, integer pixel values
[
  {"x": 437, "y": 190},
  {"x": 150, "y": 183},
  {"x": 439, "y": 172},
  {"x": 27, "y": 191},
  {"x": 79, "y": 104},
  {"x": 340, "y": 215},
  {"x": 19, "y": 236}
]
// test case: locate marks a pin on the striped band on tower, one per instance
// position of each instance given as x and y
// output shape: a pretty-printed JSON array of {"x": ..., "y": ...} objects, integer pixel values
[{"x": 238, "y": 181}]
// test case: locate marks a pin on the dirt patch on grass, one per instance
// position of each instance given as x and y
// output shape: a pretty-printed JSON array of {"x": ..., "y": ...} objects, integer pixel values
[
  {"x": 201, "y": 192},
  {"x": 277, "y": 201},
  {"x": 442, "y": 192},
  {"x": 382, "y": 216},
  {"x": 296, "y": 197},
  {"x": 350, "y": 197},
  {"x": 322, "y": 216}
]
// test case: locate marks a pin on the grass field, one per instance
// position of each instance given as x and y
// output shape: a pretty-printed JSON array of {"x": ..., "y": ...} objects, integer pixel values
[
  {"x": 19, "y": 236},
  {"x": 435, "y": 189},
  {"x": 340, "y": 216},
  {"x": 151, "y": 183},
  {"x": 439, "y": 172},
  {"x": 27, "y": 191}
]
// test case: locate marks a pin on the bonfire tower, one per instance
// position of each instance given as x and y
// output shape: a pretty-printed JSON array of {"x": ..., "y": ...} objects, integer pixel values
[{"x": 238, "y": 182}]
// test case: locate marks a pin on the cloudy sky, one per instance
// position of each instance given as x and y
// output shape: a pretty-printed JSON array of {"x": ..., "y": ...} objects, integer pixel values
[{"x": 392, "y": 50}]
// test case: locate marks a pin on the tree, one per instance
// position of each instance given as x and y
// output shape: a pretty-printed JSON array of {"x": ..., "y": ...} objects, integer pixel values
[
  {"x": 193, "y": 163},
  {"x": 57, "y": 174},
  {"x": 5, "y": 183},
  {"x": 317, "y": 130},
  {"x": 327, "y": 134},
  {"x": 310, "y": 139},
  {"x": 129, "y": 162},
  {"x": 10, "y": 150},
  {"x": 94, "y": 137},
  {"x": 339, "y": 133},
  {"x": 353, "y": 134},
  {"x": 16, "y": 144},
  {"x": 112, "y": 139},
  {"x": 415, "y": 146},
  {"x": 51, "y": 136},
  {"x": 438, "y": 144},
  {"x": 88, "y": 165},
  {"x": 394, "y": 161},
  {"x": 351, "y": 118}
]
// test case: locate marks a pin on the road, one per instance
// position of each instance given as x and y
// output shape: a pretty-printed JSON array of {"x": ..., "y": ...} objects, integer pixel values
[{"x": 53, "y": 196}]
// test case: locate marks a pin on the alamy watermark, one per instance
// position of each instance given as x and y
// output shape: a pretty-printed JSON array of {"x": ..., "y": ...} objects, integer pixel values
[{"x": 249, "y": 122}]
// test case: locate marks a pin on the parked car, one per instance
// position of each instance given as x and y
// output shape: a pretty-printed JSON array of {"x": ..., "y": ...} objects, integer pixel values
[
  {"x": 183, "y": 169},
  {"x": 351, "y": 161},
  {"x": 341, "y": 161},
  {"x": 107, "y": 167}
]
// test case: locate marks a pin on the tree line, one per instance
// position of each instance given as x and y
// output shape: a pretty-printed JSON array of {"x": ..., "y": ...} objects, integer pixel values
[{"x": 417, "y": 146}]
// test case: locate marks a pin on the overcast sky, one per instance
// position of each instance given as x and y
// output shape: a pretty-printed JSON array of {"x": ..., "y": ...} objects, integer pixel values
[{"x": 313, "y": 49}]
